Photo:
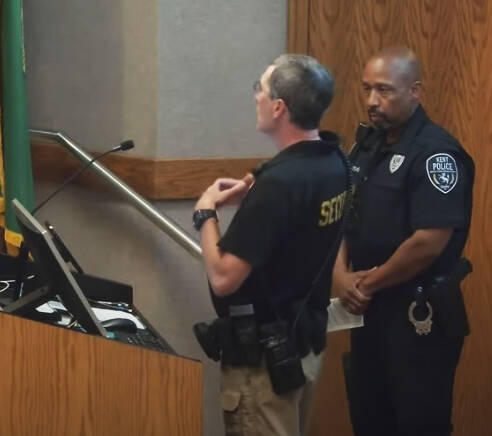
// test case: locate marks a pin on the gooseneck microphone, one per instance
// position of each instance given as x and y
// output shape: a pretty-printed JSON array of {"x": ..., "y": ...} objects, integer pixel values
[
  {"x": 125, "y": 145},
  {"x": 23, "y": 250}
]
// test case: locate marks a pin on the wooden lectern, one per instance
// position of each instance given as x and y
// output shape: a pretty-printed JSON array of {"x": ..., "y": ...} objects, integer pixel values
[{"x": 57, "y": 382}]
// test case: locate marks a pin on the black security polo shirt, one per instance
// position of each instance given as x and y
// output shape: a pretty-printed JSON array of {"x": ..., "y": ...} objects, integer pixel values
[
  {"x": 286, "y": 226},
  {"x": 423, "y": 181}
]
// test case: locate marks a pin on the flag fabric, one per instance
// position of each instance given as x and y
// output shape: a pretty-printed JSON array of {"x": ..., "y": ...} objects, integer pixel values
[{"x": 16, "y": 170}]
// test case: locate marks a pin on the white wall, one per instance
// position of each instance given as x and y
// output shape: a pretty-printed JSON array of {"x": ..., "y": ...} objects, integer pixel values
[
  {"x": 210, "y": 53},
  {"x": 176, "y": 77}
]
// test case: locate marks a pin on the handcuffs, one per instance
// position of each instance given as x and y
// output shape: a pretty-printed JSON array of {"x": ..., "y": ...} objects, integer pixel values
[{"x": 422, "y": 327}]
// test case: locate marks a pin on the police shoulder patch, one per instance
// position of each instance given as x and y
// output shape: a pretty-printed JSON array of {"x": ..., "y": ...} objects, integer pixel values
[{"x": 442, "y": 172}]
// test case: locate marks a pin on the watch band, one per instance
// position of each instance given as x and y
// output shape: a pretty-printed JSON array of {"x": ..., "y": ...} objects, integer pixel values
[{"x": 202, "y": 215}]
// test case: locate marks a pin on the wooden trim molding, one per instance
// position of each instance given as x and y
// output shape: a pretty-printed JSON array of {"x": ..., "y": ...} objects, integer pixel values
[{"x": 164, "y": 179}]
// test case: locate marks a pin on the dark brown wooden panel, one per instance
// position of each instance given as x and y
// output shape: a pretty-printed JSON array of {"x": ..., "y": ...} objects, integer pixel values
[
  {"x": 188, "y": 178},
  {"x": 452, "y": 40},
  {"x": 298, "y": 26},
  {"x": 330, "y": 415},
  {"x": 154, "y": 180}
]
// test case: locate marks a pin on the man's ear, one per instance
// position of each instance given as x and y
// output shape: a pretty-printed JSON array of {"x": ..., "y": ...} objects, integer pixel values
[
  {"x": 279, "y": 108},
  {"x": 415, "y": 88}
]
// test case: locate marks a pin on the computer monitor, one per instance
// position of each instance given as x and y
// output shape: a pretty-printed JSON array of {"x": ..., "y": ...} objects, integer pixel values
[{"x": 55, "y": 274}]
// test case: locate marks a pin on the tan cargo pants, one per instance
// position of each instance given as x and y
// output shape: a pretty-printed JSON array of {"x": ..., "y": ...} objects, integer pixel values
[{"x": 251, "y": 408}]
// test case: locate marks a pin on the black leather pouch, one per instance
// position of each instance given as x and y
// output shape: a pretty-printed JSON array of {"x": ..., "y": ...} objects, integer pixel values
[{"x": 446, "y": 298}]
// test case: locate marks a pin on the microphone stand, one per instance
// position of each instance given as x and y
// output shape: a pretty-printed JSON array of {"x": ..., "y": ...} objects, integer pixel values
[
  {"x": 127, "y": 146},
  {"x": 23, "y": 249}
]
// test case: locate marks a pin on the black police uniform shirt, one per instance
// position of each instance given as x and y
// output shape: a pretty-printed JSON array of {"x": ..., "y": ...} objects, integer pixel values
[
  {"x": 286, "y": 226},
  {"x": 423, "y": 181}
]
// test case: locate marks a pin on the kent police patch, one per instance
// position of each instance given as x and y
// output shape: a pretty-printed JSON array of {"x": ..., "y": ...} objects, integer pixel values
[{"x": 442, "y": 172}]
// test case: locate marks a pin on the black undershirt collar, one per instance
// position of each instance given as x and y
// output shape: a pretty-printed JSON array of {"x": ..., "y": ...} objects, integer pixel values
[{"x": 317, "y": 147}]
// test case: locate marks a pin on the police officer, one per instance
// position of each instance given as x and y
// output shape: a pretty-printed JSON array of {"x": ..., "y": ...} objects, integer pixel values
[
  {"x": 399, "y": 262},
  {"x": 261, "y": 271}
]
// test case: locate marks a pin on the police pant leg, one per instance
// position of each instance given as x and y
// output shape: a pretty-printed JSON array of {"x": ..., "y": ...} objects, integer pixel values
[
  {"x": 422, "y": 378},
  {"x": 370, "y": 406},
  {"x": 251, "y": 408}
]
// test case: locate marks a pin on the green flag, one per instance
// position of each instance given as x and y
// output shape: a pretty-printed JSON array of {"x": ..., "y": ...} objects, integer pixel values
[{"x": 17, "y": 167}]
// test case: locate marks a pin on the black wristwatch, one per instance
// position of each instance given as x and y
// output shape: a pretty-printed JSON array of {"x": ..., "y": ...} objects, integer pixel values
[{"x": 202, "y": 215}]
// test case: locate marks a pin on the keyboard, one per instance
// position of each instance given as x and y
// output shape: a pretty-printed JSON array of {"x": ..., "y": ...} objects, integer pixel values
[{"x": 144, "y": 338}]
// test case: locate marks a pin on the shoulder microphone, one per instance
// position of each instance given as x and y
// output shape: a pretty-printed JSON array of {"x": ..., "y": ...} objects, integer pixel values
[{"x": 125, "y": 145}]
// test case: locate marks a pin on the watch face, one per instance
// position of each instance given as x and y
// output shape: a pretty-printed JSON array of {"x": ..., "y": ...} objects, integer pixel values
[
  {"x": 196, "y": 219},
  {"x": 201, "y": 215}
]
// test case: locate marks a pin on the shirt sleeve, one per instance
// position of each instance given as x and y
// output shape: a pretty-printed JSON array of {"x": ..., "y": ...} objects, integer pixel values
[
  {"x": 260, "y": 224},
  {"x": 438, "y": 191}
]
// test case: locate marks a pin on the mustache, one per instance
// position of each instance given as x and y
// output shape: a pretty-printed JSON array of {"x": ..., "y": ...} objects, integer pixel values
[{"x": 376, "y": 112}]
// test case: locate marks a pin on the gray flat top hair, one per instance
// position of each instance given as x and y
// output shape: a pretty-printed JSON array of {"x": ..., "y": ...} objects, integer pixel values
[{"x": 305, "y": 85}]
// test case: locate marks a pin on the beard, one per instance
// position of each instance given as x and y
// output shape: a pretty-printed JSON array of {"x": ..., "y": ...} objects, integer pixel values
[{"x": 378, "y": 120}]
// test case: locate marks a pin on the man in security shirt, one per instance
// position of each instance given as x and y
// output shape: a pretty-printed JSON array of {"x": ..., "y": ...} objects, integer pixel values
[
  {"x": 287, "y": 224},
  {"x": 399, "y": 262}
]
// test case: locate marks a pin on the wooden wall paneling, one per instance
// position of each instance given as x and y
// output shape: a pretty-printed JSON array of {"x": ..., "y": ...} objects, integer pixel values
[
  {"x": 469, "y": 119},
  {"x": 188, "y": 178},
  {"x": 334, "y": 43},
  {"x": 298, "y": 26},
  {"x": 153, "y": 179},
  {"x": 452, "y": 41},
  {"x": 54, "y": 164},
  {"x": 330, "y": 415}
]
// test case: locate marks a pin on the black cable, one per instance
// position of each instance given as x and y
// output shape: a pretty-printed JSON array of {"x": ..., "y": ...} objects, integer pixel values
[
  {"x": 66, "y": 182},
  {"x": 334, "y": 249}
]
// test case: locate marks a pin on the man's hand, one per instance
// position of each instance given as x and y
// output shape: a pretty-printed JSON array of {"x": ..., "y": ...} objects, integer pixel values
[
  {"x": 346, "y": 286},
  {"x": 226, "y": 272},
  {"x": 225, "y": 191}
]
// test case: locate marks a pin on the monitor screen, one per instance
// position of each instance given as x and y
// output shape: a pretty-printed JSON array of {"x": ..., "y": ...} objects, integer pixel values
[{"x": 55, "y": 273}]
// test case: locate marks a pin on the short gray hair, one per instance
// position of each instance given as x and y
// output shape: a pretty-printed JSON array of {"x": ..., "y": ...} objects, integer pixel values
[{"x": 306, "y": 87}]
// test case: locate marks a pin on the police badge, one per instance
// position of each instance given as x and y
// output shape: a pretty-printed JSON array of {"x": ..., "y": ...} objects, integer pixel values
[
  {"x": 396, "y": 162},
  {"x": 442, "y": 172}
]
